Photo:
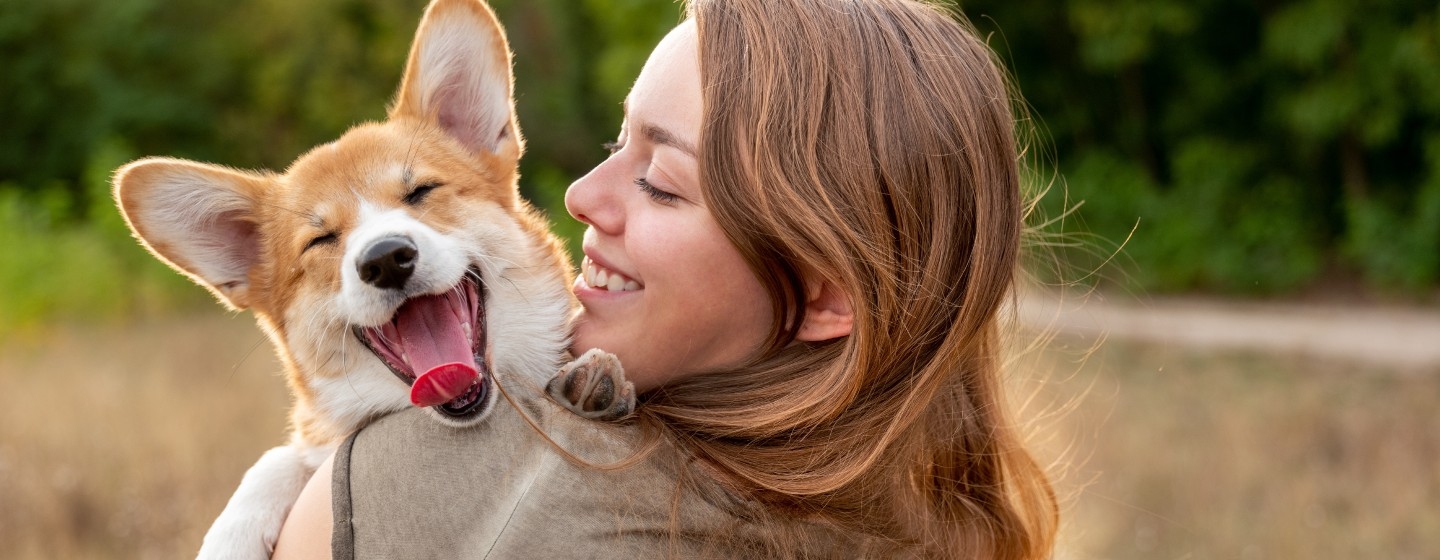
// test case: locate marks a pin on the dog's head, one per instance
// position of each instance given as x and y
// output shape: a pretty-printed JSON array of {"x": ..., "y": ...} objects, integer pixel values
[{"x": 401, "y": 249}]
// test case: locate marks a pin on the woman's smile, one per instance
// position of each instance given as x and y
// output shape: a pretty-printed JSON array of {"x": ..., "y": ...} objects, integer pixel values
[{"x": 599, "y": 277}]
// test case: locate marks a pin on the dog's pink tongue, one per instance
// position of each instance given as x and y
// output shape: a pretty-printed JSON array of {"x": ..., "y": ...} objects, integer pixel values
[
  {"x": 442, "y": 384},
  {"x": 436, "y": 344}
]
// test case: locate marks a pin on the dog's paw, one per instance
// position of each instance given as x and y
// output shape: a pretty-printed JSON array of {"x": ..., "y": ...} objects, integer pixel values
[{"x": 594, "y": 387}]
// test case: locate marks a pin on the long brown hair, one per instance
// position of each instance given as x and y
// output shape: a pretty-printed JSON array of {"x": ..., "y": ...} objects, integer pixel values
[{"x": 870, "y": 143}]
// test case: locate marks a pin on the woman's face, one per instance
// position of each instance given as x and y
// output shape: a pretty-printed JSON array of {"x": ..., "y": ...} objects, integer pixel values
[{"x": 661, "y": 286}]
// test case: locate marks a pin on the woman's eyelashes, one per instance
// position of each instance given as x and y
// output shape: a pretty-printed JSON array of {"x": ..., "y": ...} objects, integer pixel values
[{"x": 658, "y": 195}]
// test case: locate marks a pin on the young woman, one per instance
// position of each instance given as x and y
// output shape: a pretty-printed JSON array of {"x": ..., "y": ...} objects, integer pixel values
[{"x": 819, "y": 206}]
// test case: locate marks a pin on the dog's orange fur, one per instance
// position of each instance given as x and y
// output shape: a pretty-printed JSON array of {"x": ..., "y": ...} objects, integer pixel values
[
  {"x": 320, "y": 194},
  {"x": 285, "y": 245}
]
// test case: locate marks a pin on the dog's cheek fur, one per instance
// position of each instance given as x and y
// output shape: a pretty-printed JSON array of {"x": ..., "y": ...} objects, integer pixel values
[
  {"x": 527, "y": 293},
  {"x": 338, "y": 383}
]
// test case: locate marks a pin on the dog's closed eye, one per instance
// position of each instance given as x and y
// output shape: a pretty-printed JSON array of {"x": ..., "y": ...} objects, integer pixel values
[
  {"x": 418, "y": 195},
  {"x": 326, "y": 239}
]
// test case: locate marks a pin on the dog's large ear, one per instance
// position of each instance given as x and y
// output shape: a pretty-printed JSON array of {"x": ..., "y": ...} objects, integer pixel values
[
  {"x": 459, "y": 77},
  {"x": 200, "y": 219}
]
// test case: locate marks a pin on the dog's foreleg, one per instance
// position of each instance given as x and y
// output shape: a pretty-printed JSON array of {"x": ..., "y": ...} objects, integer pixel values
[{"x": 251, "y": 521}]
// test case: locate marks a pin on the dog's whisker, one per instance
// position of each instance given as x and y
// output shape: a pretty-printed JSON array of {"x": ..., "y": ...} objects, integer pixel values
[{"x": 494, "y": 258}]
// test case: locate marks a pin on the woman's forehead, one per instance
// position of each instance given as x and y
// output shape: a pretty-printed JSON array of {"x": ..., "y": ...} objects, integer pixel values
[{"x": 666, "y": 96}]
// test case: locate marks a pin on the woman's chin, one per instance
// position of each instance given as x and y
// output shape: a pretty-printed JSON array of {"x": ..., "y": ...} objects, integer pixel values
[{"x": 591, "y": 333}]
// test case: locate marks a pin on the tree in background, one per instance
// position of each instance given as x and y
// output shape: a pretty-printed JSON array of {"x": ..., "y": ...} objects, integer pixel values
[
  {"x": 1250, "y": 146},
  {"x": 89, "y": 85},
  {"x": 254, "y": 84}
]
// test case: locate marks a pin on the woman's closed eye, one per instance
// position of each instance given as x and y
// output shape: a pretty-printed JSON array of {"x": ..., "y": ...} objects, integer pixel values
[{"x": 655, "y": 193}]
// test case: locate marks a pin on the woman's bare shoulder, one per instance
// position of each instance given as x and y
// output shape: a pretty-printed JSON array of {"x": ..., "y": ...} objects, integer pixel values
[{"x": 307, "y": 530}]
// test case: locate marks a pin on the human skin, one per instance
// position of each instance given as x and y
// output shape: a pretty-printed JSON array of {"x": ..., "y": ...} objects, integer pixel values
[{"x": 698, "y": 306}]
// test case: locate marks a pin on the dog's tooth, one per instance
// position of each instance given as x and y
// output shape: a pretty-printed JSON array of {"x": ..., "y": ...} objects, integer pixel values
[
  {"x": 616, "y": 283},
  {"x": 631, "y": 286}
]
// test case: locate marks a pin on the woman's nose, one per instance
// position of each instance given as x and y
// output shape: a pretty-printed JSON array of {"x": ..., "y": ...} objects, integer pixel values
[{"x": 591, "y": 199}]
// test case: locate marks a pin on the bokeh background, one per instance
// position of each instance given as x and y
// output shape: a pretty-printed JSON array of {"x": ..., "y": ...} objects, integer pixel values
[{"x": 1259, "y": 159}]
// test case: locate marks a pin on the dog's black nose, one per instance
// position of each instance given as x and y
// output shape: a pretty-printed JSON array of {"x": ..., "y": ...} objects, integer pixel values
[{"x": 388, "y": 263}]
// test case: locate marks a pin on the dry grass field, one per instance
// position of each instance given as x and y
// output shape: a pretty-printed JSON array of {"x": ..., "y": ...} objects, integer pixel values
[
  {"x": 1178, "y": 454},
  {"x": 125, "y": 442}
]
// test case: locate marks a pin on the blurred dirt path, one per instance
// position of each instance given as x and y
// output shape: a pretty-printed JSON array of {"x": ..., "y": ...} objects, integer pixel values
[{"x": 1393, "y": 337}]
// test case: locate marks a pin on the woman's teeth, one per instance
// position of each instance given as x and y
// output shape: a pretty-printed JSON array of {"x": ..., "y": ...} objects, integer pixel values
[{"x": 603, "y": 279}]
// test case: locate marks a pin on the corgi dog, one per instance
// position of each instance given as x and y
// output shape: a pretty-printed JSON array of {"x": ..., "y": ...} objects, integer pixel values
[{"x": 396, "y": 266}]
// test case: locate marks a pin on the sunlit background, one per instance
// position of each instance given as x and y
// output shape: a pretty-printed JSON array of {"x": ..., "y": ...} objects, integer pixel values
[{"x": 1237, "y": 257}]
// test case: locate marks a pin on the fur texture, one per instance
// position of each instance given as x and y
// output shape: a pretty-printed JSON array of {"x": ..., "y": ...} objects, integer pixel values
[{"x": 441, "y": 173}]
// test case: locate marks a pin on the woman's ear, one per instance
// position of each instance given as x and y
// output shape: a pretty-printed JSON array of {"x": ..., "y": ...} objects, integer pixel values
[{"x": 828, "y": 314}]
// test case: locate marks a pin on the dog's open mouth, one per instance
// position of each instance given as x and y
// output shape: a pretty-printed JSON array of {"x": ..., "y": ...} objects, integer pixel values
[{"x": 436, "y": 344}]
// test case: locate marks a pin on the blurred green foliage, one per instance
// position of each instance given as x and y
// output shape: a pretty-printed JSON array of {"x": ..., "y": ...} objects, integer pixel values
[
  {"x": 1239, "y": 146},
  {"x": 59, "y": 260},
  {"x": 1250, "y": 146},
  {"x": 87, "y": 85}
]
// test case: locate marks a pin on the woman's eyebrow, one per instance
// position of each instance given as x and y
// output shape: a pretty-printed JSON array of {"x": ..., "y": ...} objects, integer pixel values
[
  {"x": 665, "y": 138},
  {"x": 659, "y": 135}
]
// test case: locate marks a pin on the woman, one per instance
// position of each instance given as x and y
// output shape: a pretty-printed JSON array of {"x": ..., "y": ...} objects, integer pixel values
[{"x": 818, "y": 202}]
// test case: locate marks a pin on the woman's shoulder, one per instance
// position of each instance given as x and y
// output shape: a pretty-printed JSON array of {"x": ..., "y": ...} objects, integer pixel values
[
  {"x": 531, "y": 480},
  {"x": 514, "y": 425}
]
